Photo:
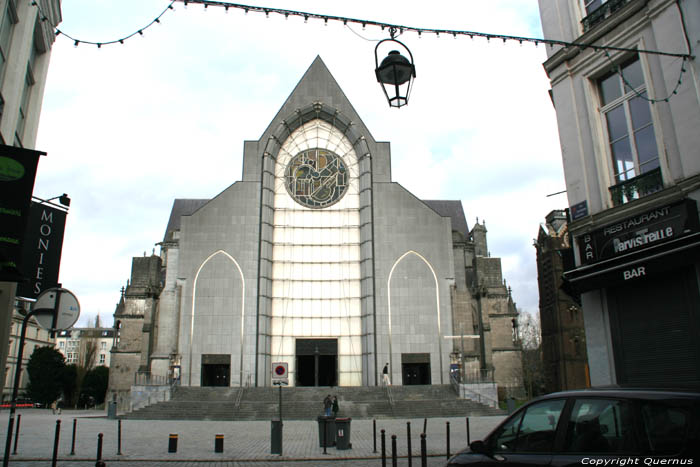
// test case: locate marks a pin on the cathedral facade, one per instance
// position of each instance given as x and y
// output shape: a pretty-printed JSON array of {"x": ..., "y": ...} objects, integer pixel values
[{"x": 318, "y": 260}]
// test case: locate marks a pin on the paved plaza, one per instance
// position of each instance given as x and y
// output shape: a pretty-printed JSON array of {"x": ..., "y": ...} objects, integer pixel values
[{"x": 145, "y": 442}]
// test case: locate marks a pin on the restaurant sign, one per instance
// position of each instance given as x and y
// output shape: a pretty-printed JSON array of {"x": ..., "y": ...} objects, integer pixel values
[{"x": 639, "y": 232}]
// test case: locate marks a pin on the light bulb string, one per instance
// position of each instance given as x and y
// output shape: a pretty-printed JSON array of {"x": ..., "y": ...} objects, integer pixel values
[
  {"x": 99, "y": 44},
  {"x": 395, "y": 29},
  {"x": 420, "y": 31},
  {"x": 618, "y": 69}
]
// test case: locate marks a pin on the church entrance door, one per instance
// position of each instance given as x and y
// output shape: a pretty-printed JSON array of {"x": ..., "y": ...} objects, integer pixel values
[
  {"x": 415, "y": 368},
  {"x": 216, "y": 370},
  {"x": 316, "y": 362}
]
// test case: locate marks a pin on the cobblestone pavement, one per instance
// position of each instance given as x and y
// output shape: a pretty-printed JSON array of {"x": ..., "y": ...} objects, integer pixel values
[{"x": 145, "y": 442}]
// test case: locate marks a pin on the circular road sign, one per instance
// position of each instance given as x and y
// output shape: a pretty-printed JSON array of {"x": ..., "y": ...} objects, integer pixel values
[
  {"x": 67, "y": 312},
  {"x": 279, "y": 371}
]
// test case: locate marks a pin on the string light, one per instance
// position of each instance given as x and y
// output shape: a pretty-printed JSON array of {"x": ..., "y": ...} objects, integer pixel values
[
  {"x": 364, "y": 23},
  {"x": 99, "y": 45}
]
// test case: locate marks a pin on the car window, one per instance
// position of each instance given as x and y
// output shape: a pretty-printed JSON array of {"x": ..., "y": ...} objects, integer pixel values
[
  {"x": 665, "y": 426},
  {"x": 530, "y": 431},
  {"x": 600, "y": 426}
]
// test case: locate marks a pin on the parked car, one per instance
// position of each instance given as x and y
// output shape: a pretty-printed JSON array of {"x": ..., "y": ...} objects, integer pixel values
[{"x": 594, "y": 427}]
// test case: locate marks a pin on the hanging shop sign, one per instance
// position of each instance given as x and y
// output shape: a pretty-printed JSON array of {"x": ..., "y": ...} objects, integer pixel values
[
  {"x": 41, "y": 252},
  {"x": 636, "y": 233},
  {"x": 17, "y": 174}
]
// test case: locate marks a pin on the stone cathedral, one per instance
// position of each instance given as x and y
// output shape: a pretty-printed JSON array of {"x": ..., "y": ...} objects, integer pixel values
[{"x": 316, "y": 258}]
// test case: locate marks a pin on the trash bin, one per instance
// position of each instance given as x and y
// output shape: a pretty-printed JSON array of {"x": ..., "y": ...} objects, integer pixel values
[
  {"x": 510, "y": 404},
  {"x": 329, "y": 423},
  {"x": 111, "y": 410},
  {"x": 342, "y": 433},
  {"x": 276, "y": 437}
]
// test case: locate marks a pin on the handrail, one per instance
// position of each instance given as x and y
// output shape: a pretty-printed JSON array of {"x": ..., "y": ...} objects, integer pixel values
[
  {"x": 389, "y": 395},
  {"x": 239, "y": 396},
  {"x": 479, "y": 396}
]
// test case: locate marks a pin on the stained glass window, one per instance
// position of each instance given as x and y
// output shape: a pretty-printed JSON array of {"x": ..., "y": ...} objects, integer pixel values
[{"x": 316, "y": 178}]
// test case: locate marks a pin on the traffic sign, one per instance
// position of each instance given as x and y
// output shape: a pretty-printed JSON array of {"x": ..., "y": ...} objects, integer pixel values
[
  {"x": 59, "y": 302},
  {"x": 280, "y": 373}
]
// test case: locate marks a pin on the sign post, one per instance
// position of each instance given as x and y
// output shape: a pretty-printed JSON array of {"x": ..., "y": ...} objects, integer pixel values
[
  {"x": 279, "y": 378},
  {"x": 52, "y": 313}
]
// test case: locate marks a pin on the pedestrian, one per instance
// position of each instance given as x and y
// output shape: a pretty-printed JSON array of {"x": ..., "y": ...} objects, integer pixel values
[
  {"x": 385, "y": 373},
  {"x": 327, "y": 405},
  {"x": 53, "y": 407},
  {"x": 335, "y": 407}
]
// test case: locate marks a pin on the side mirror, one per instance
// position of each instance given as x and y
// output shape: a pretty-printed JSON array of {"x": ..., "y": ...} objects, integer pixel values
[{"x": 478, "y": 447}]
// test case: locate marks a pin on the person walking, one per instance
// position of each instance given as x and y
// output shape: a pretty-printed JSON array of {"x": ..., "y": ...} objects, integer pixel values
[
  {"x": 335, "y": 407},
  {"x": 327, "y": 405},
  {"x": 385, "y": 373}
]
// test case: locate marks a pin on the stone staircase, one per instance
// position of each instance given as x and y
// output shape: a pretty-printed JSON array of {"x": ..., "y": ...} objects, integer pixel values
[{"x": 305, "y": 403}]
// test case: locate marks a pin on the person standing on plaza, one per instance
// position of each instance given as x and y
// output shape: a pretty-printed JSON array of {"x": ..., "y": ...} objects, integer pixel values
[
  {"x": 327, "y": 405},
  {"x": 385, "y": 372},
  {"x": 335, "y": 407}
]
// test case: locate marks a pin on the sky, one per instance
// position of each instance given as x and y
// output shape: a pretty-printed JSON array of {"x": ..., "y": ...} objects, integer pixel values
[{"x": 130, "y": 127}]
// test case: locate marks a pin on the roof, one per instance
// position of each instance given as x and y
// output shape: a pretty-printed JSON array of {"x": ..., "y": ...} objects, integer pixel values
[
  {"x": 181, "y": 207},
  {"x": 452, "y": 209}
]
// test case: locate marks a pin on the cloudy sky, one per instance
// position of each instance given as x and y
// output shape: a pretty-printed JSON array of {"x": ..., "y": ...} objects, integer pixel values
[{"x": 129, "y": 128}]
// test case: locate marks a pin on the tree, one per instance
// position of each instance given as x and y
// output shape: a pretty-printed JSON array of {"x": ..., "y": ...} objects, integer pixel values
[
  {"x": 530, "y": 335},
  {"x": 70, "y": 379},
  {"x": 95, "y": 385},
  {"x": 46, "y": 369},
  {"x": 86, "y": 361}
]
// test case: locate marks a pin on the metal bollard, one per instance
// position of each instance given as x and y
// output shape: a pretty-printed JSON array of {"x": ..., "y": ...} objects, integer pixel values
[
  {"x": 72, "y": 443},
  {"x": 425, "y": 425},
  {"x": 19, "y": 419},
  {"x": 468, "y": 436},
  {"x": 172, "y": 442},
  {"x": 393, "y": 451},
  {"x": 423, "y": 451},
  {"x": 99, "y": 462},
  {"x": 218, "y": 443},
  {"x": 448, "y": 440},
  {"x": 383, "y": 449},
  {"x": 408, "y": 440},
  {"x": 54, "y": 459},
  {"x": 119, "y": 437},
  {"x": 374, "y": 434}
]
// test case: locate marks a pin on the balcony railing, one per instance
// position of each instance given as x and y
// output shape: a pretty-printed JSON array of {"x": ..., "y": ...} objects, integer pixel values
[
  {"x": 636, "y": 187},
  {"x": 603, "y": 12}
]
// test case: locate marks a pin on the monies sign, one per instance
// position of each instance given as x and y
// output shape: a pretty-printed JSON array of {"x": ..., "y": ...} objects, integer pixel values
[
  {"x": 639, "y": 232},
  {"x": 41, "y": 253}
]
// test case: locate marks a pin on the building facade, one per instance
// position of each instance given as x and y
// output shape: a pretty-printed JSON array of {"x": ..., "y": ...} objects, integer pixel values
[
  {"x": 25, "y": 48},
  {"x": 628, "y": 126},
  {"x": 561, "y": 319},
  {"x": 318, "y": 260},
  {"x": 86, "y": 346}
]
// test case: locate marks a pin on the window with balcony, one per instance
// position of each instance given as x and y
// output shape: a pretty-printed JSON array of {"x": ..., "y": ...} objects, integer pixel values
[
  {"x": 597, "y": 11},
  {"x": 630, "y": 133}
]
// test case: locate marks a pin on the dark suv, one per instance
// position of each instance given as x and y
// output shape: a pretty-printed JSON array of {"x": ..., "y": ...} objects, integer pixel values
[{"x": 598, "y": 427}]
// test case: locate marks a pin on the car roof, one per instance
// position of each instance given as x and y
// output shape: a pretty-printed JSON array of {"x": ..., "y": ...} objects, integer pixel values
[{"x": 628, "y": 392}]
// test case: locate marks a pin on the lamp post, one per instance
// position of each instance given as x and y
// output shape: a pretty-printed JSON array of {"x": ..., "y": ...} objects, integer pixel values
[{"x": 395, "y": 73}]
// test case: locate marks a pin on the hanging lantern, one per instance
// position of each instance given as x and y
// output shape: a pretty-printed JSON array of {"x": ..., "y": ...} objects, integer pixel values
[{"x": 395, "y": 73}]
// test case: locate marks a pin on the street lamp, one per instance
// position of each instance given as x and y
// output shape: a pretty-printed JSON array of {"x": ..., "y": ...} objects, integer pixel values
[
  {"x": 63, "y": 199},
  {"x": 395, "y": 74}
]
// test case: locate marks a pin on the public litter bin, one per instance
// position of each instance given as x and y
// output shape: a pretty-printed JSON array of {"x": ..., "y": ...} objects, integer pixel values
[
  {"x": 276, "y": 437},
  {"x": 342, "y": 433},
  {"x": 329, "y": 423},
  {"x": 111, "y": 410}
]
